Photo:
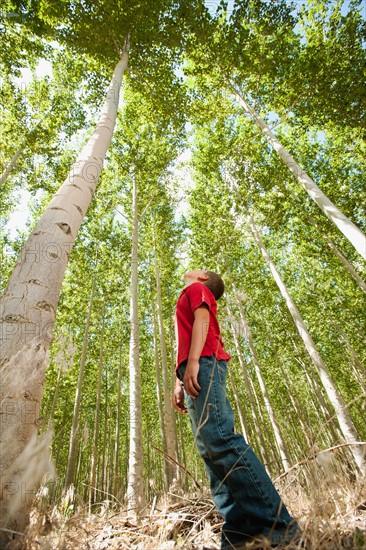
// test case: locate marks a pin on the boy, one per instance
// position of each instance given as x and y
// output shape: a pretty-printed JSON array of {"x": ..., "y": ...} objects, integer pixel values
[{"x": 240, "y": 486}]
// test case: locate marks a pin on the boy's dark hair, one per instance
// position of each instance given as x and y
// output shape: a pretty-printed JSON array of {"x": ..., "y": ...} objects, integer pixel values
[{"x": 215, "y": 284}]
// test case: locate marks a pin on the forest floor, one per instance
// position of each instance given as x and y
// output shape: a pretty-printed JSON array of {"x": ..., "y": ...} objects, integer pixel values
[{"x": 331, "y": 512}]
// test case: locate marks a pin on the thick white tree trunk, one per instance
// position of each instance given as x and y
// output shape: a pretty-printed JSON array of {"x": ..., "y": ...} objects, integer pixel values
[
  {"x": 347, "y": 427},
  {"x": 135, "y": 463},
  {"x": 28, "y": 308},
  {"x": 356, "y": 237}
]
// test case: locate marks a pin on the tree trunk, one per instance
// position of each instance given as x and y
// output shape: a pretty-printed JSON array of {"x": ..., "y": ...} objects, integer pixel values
[
  {"x": 347, "y": 427},
  {"x": 169, "y": 418},
  {"x": 103, "y": 481},
  {"x": 358, "y": 370},
  {"x": 55, "y": 397},
  {"x": 135, "y": 470},
  {"x": 356, "y": 237},
  {"x": 118, "y": 419},
  {"x": 267, "y": 401},
  {"x": 238, "y": 405},
  {"x": 28, "y": 308},
  {"x": 159, "y": 395},
  {"x": 71, "y": 461},
  {"x": 4, "y": 176},
  {"x": 351, "y": 270},
  {"x": 252, "y": 404},
  {"x": 292, "y": 392},
  {"x": 92, "y": 489},
  {"x": 329, "y": 427}
]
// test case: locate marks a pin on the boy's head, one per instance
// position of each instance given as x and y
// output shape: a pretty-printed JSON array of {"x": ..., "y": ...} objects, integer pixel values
[{"x": 211, "y": 279}]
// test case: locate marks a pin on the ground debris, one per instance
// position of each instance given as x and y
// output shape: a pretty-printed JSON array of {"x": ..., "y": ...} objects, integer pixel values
[
  {"x": 189, "y": 524},
  {"x": 192, "y": 524}
]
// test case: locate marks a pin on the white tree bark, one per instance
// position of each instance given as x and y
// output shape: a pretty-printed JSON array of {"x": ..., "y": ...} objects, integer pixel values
[
  {"x": 347, "y": 427},
  {"x": 28, "y": 308},
  {"x": 135, "y": 468},
  {"x": 356, "y": 237}
]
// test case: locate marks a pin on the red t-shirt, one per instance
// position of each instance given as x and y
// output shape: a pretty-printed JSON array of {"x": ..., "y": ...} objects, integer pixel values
[{"x": 192, "y": 297}]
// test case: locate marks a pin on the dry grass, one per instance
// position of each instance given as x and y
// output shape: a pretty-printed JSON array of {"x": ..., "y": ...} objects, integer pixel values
[{"x": 330, "y": 507}]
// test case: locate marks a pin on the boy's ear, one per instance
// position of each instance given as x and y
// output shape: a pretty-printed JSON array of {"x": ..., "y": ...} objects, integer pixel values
[{"x": 203, "y": 278}]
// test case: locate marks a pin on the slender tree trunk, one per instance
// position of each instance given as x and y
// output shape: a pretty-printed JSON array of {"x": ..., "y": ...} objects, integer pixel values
[
  {"x": 348, "y": 429},
  {"x": 359, "y": 371},
  {"x": 4, "y": 176},
  {"x": 321, "y": 407},
  {"x": 267, "y": 401},
  {"x": 292, "y": 392},
  {"x": 322, "y": 411},
  {"x": 356, "y": 237},
  {"x": 160, "y": 396},
  {"x": 238, "y": 405},
  {"x": 351, "y": 270},
  {"x": 182, "y": 454},
  {"x": 118, "y": 419},
  {"x": 355, "y": 362},
  {"x": 346, "y": 264},
  {"x": 105, "y": 433},
  {"x": 93, "y": 472},
  {"x": 252, "y": 404},
  {"x": 169, "y": 418},
  {"x": 28, "y": 308},
  {"x": 135, "y": 471},
  {"x": 55, "y": 397},
  {"x": 71, "y": 462},
  {"x": 172, "y": 383},
  {"x": 107, "y": 470}
]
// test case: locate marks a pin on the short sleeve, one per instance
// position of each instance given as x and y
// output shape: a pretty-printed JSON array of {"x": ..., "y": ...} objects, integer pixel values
[{"x": 199, "y": 294}]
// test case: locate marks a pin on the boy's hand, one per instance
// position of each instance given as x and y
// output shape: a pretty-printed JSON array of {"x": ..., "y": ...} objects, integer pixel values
[
  {"x": 191, "y": 384},
  {"x": 178, "y": 399}
]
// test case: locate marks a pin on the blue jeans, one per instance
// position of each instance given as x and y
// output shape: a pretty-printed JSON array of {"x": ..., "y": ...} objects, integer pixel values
[{"x": 241, "y": 489}]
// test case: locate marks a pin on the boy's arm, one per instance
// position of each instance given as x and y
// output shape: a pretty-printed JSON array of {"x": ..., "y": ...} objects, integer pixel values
[{"x": 199, "y": 335}]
